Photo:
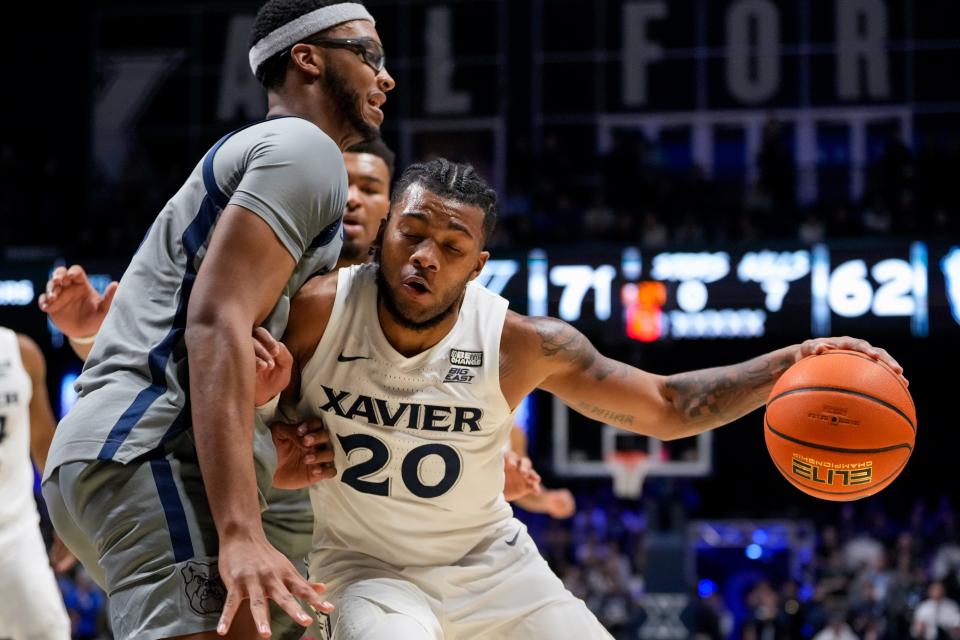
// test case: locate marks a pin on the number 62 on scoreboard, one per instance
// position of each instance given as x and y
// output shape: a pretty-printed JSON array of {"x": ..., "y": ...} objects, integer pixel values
[{"x": 880, "y": 288}]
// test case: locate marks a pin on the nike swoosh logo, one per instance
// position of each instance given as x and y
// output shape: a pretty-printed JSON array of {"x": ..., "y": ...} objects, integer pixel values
[
  {"x": 512, "y": 541},
  {"x": 343, "y": 358}
]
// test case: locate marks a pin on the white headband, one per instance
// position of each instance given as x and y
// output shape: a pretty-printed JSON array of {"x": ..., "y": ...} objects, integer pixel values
[{"x": 306, "y": 25}]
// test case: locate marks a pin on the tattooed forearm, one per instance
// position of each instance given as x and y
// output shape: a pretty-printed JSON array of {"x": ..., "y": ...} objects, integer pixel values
[
  {"x": 609, "y": 417},
  {"x": 711, "y": 397},
  {"x": 560, "y": 340}
]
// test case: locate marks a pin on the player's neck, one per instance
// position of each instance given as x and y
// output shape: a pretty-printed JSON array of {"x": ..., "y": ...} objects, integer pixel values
[
  {"x": 290, "y": 103},
  {"x": 343, "y": 261},
  {"x": 410, "y": 342}
]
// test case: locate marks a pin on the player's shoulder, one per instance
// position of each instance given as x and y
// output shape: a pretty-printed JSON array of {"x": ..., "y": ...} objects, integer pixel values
[
  {"x": 299, "y": 133},
  {"x": 520, "y": 333},
  {"x": 532, "y": 329},
  {"x": 292, "y": 141},
  {"x": 531, "y": 337},
  {"x": 522, "y": 350},
  {"x": 316, "y": 295}
]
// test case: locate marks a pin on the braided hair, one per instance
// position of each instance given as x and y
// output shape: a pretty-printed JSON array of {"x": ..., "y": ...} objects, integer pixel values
[{"x": 457, "y": 181}]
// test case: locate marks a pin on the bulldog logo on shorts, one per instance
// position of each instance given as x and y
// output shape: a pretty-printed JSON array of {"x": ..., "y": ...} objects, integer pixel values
[{"x": 204, "y": 589}]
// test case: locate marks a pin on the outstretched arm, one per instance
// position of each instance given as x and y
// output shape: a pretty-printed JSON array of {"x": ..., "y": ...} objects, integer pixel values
[{"x": 665, "y": 407}]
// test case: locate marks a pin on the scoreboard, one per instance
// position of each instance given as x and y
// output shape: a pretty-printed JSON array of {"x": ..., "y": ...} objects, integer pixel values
[
  {"x": 883, "y": 288},
  {"x": 621, "y": 294},
  {"x": 888, "y": 287}
]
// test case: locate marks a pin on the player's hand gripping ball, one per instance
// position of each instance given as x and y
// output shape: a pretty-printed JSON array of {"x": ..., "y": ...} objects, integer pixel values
[{"x": 840, "y": 425}]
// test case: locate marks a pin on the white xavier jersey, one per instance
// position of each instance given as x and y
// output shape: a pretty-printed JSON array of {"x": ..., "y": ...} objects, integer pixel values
[
  {"x": 418, "y": 441},
  {"x": 16, "y": 470}
]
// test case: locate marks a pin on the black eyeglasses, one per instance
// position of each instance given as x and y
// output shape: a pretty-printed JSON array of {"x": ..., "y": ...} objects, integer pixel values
[{"x": 369, "y": 50}]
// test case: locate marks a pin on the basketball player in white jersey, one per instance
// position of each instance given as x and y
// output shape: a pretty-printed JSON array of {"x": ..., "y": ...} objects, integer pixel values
[
  {"x": 162, "y": 435},
  {"x": 31, "y": 607},
  {"x": 416, "y": 371}
]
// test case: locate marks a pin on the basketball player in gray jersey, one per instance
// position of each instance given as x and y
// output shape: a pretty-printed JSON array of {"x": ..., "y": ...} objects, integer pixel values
[
  {"x": 78, "y": 310},
  {"x": 416, "y": 371},
  {"x": 151, "y": 477}
]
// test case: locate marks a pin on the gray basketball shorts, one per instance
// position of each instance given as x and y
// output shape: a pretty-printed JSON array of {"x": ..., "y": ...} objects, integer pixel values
[{"x": 145, "y": 533}]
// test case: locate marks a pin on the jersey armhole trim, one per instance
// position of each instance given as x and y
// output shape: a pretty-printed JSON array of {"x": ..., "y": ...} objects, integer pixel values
[
  {"x": 344, "y": 280},
  {"x": 502, "y": 307}
]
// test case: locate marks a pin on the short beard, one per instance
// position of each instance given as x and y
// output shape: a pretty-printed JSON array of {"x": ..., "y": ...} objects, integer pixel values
[
  {"x": 348, "y": 104},
  {"x": 385, "y": 295}
]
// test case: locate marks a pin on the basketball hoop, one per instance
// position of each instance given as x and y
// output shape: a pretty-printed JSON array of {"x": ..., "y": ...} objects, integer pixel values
[{"x": 629, "y": 470}]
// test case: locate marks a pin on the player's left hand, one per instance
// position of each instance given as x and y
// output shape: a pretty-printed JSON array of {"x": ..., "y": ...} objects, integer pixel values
[
  {"x": 304, "y": 454},
  {"x": 520, "y": 479},
  {"x": 816, "y": 346}
]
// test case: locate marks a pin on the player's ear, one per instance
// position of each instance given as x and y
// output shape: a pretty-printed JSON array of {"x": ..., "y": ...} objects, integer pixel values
[
  {"x": 378, "y": 241},
  {"x": 481, "y": 263},
  {"x": 308, "y": 60}
]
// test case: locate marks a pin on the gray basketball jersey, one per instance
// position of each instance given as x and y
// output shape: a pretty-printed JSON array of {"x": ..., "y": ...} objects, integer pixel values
[{"x": 133, "y": 389}]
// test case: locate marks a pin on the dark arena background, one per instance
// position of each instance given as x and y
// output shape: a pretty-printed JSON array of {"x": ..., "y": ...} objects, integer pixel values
[{"x": 689, "y": 182}]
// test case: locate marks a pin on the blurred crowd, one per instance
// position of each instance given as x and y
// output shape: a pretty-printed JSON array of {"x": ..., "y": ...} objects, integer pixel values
[
  {"x": 634, "y": 194},
  {"x": 562, "y": 193},
  {"x": 871, "y": 577}
]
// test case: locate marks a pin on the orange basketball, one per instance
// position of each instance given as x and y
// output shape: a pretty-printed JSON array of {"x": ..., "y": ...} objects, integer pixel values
[{"x": 840, "y": 425}]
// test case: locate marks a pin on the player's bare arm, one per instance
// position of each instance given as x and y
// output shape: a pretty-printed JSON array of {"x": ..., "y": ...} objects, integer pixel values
[
  {"x": 549, "y": 354},
  {"x": 75, "y": 306},
  {"x": 224, "y": 309},
  {"x": 557, "y": 503},
  {"x": 310, "y": 311},
  {"x": 42, "y": 423},
  {"x": 42, "y": 426}
]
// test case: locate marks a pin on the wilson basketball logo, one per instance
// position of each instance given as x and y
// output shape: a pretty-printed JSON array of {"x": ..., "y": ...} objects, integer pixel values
[
  {"x": 843, "y": 474},
  {"x": 834, "y": 415}
]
